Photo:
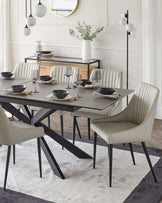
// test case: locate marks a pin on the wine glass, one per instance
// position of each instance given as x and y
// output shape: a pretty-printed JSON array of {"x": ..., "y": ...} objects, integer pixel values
[
  {"x": 68, "y": 73},
  {"x": 78, "y": 81},
  {"x": 35, "y": 77},
  {"x": 97, "y": 77}
]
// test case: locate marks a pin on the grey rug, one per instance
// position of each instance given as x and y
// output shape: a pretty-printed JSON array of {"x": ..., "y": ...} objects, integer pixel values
[{"x": 146, "y": 191}]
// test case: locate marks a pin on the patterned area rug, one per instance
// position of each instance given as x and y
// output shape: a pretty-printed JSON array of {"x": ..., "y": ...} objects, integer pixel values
[{"x": 82, "y": 183}]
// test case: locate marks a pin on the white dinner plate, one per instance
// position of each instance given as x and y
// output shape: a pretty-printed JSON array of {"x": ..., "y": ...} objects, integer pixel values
[
  {"x": 115, "y": 95},
  {"x": 10, "y": 91},
  {"x": 11, "y": 78},
  {"x": 53, "y": 80},
  {"x": 51, "y": 96},
  {"x": 90, "y": 86}
]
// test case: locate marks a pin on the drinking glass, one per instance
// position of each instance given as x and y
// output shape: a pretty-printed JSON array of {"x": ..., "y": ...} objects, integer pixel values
[
  {"x": 78, "y": 81},
  {"x": 97, "y": 77},
  {"x": 68, "y": 73},
  {"x": 35, "y": 77}
]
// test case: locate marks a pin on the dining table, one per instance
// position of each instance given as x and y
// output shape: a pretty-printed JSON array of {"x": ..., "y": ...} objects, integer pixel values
[{"x": 49, "y": 105}]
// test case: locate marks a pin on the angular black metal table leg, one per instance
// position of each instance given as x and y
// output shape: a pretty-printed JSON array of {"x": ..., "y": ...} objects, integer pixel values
[{"x": 53, "y": 163}]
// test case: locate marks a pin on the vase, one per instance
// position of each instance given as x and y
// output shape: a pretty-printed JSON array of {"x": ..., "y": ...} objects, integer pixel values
[
  {"x": 86, "y": 50},
  {"x": 39, "y": 46}
]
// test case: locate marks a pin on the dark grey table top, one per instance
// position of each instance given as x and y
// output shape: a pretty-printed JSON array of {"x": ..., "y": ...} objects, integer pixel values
[{"x": 87, "y": 100}]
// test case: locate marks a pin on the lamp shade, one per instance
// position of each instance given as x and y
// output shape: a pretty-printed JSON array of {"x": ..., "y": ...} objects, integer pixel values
[
  {"x": 27, "y": 30},
  {"x": 123, "y": 15},
  {"x": 31, "y": 21},
  {"x": 123, "y": 21},
  {"x": 133, "y": 33},
  {"x": 130, "y": 27},
  {"x": 40, "y": 10}
]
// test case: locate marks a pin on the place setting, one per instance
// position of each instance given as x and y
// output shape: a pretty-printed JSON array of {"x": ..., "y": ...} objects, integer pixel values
[
  {"x": 18, "y": 90},
  {"x": 109, "y": 93},
  {"x": 47, "y": 79},
  {"x": 93, "y": 82},
  {"x": 64, "y": 95},
  {"x": 60, "y": 95}
]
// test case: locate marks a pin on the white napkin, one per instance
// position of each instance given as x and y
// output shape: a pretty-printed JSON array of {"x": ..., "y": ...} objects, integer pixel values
[{"x": 90, "y": 86}]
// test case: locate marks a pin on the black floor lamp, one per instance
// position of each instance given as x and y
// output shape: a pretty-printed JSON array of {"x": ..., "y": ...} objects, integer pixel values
[{"x": 131, "y": 31}]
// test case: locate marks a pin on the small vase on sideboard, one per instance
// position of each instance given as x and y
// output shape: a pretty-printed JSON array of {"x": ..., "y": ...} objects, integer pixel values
[
  {"x": 39, "y": 46},
  {"x": 86, "y": 50}
]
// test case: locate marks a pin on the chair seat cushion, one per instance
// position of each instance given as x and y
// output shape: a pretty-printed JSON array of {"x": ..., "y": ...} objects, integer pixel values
[
  {"x": 112, "y": 132},
  {"x": 92, "y": 113}
]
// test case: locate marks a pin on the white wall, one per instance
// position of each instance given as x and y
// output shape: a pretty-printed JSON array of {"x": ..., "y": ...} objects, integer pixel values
[
  {"x": 152, "y": 46},
  {"x": 109, "y": 46}
]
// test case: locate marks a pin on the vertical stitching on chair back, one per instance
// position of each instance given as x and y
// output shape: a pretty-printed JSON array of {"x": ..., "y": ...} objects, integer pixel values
[
  {"x": 142, "y": 103},
  {"x": 58, "y": 72},
  {"x": 109, "y": 78},
  {"x": 24, "y": 70}
]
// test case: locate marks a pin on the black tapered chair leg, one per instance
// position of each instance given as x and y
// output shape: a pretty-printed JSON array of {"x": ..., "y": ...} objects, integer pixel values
[
  {"x": 110, "y": 151},
  {"x": 32, "y": 113},
  {"x": 94, "y": 150},
  {"x": 89, "y": 129},
  {"x": 74, "y": 127},
  {"x": 49, "y": 123},
  {"x": 62, "y": 127},
  {"x": 39, "y": 156},
  {"x": 14, "y": 157},
  {"x": 149, "y": 161},
  {"x": 7, "y": 166},
  {"x": 132, "y": 154},
  {"x": 76, "y": 122}
]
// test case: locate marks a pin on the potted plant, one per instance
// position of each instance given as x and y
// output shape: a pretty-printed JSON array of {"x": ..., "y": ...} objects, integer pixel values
[{"x": 84, "y": 32}]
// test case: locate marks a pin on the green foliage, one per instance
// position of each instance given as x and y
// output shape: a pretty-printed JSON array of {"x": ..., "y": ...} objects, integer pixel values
[{"x": 84, "y": 31}]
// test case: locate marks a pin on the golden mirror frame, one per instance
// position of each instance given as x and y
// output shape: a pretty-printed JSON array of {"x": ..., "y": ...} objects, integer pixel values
[{"x": 61, "y": 15}]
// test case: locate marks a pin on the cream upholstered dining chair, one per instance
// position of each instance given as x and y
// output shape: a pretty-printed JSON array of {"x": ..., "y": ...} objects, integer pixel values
[
  {"x": 15, "y": 132},
  {"x": 134, "y": 124},
  {"x": 109, "y": 78},
  {"x": 58, "y": 72},
  {"x": 24, "y": 70}
]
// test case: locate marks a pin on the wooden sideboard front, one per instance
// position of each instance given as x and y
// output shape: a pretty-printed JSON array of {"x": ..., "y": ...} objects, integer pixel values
[{"x": 45, "y": 68}]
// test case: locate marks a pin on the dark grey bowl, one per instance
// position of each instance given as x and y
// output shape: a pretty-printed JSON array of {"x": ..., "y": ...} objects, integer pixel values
[
  {"x": 7, "y": 75},
  {"x": 18, "y": 88},
  {"x": 60, "y": 94},
  {"x": 45, "y": 77},
  {"x": 106, "y": 90},
  {"x": 43, "y": 52},
  {"x": 86, "y": 82}
]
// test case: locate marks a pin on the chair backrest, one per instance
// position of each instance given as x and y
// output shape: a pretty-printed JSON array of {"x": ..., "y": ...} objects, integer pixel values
[
  {"x": 24, "y": 70},
  {"x": 5, "y": 126},
  {"x": 109, "y": 78},
  {"x": 59, "y": 71},
  {"x": 142, "y": 106}
]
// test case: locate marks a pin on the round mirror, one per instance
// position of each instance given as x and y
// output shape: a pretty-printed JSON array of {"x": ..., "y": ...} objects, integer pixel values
[{"x": 63, "y": 7}]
